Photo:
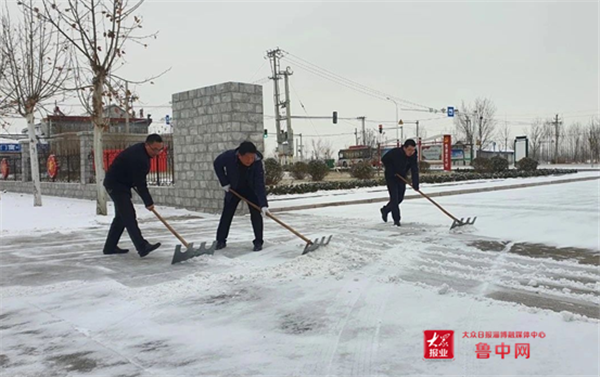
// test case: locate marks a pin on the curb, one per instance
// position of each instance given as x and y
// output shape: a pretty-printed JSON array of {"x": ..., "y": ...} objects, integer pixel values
[{"x": 435, "y": 194}]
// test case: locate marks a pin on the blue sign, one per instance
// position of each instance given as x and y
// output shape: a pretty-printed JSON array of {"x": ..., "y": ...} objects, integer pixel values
[
  {"x": 450, "y": 111},
  {"x": 10, "y": 148},
  {"x": 458, "y": 154}
]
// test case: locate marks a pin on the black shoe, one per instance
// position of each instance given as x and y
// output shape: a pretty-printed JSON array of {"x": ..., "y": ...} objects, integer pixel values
[
  {"x": 148, "y": 249},
  {"x": 384, "y": 215},
  {"x": 221, "y": 245},
  {"x": 257, "y": 248},
  {"x": 117, "y": 250},
  {"x": 397, "y": 223}
]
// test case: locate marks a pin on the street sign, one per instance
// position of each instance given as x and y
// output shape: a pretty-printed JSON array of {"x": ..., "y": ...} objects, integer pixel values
[
  {"x": 10, "y": 147},
  {"x": 450, "y": 111}
]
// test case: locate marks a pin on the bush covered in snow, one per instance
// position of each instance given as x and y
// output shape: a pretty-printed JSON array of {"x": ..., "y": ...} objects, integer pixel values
[
  {"x": 498, "y": 164},
  {"x": 273, "y": 171},
  {"x": 318, "y": 170},
  {"x": 424, "y": 166},
  {"x": 527, "y": 164},
  {"x": 299, "y": 170},
  {"x": 362, "y": 170},
  {"x": 481, "y": 165}
]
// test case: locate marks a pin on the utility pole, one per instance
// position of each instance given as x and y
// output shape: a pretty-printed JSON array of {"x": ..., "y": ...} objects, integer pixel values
[
  {"x": 274, "y": 56},
  {"x": 356, "y": 135},
  {"x": 301, "y": 149},
  {"x": 288, "y": 112},
  {"x": 557, "y": 124},
  {"x": 417, "y": 122},
  {"x": 364, "y": 133},
  {"x": 126, "y": 107},
  {"x": 480, "y": 134}
]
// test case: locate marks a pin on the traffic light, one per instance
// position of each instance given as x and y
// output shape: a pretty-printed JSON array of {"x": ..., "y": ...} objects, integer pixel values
[
  {"x": 381, "y": 128},
  {"x": 265, "y": 134},
  {"x": 335, "y": 117}
]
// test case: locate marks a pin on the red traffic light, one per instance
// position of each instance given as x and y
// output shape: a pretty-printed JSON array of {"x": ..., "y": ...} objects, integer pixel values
[{"x": 381, "y": 128}]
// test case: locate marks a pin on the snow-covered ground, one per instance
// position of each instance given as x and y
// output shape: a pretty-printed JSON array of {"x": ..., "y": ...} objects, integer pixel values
[
  {"x": 380, "y": 192},
  {"x": 356, "y": 307}
]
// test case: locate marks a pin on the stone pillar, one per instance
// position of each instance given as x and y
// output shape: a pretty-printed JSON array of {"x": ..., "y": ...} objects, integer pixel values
[
  {"x": 207, "y": 122},
  {"x": 86, "y": 143},
  {"x": 25, "y": 161}
]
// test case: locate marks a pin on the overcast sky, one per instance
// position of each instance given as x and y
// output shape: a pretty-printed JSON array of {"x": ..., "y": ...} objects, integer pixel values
[{"x": 532, "y": 59}]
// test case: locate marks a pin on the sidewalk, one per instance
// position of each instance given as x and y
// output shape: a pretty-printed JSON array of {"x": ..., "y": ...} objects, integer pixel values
[{"x": 322, "y": 199}]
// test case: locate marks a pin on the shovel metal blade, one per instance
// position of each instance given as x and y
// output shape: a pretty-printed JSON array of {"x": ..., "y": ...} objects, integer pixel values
[
  {"x": 462, "y": 222},
  {"x": 316, "y": 244},
  {"x": 190, "y": 253}
]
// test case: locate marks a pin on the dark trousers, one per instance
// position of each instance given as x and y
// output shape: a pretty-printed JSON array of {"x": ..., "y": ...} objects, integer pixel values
[
  {"x": 396, "y": 189},
  {"x": 124, "y": 219},
  {"x": 231, "y": 203}
]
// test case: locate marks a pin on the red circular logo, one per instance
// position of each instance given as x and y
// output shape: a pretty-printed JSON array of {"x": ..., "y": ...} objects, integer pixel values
[
  {"x": 4, "y": 168},
  {"x": 52, "y": 166}
]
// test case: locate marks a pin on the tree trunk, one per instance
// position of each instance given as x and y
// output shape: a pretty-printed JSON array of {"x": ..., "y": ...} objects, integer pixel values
[
  {"x": 33, "y": 157},
  {"x": 98, "y": 122}
]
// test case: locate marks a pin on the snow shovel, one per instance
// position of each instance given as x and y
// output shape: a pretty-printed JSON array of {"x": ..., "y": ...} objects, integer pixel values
[
  {"x": 456, "y": 222},
  {"x": 179, "y": 256},
  {"x": 190, "y": 252},
  {"x": 310, "y": 245}
]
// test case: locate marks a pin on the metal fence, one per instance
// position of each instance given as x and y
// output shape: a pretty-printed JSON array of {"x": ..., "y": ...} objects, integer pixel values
[
  {"x": 162, "y": 167},
  {"x": 59, "y": 164},
  {"x": 59, "y": 159},
  {"x": 14, "y": 168}
]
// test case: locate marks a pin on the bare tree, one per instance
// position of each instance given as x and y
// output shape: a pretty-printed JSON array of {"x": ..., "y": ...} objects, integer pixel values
[
  {"x": 465, "y": 127},
  {"x": 98, "y": 31},
  {"x": 504, "y": 134},
  {"x": 370, "y": 138},
  {"x": 321, "y": 149},
  {"x": 535, "y": 135},
  {"x": 38, "y": 64},
  {"x": 475, "y": 123},
  {"x": 575, "y": 143},
  {"x": 593, "y": 139},
  {"x": 3, "y": 76}
]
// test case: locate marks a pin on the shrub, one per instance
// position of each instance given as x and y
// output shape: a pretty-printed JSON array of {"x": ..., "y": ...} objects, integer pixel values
[
  {"x": 362, "y": 170},
  {"x": 299, "y": 170},
  {"x": 273, "y": 171},
  {"x": 318, "y": 170},
  {"x": 481, "y": 165},
  {"x": 498, "y": 164},
  {"x": 527, "y": 164},
  {"x": 424, "y": 166}
]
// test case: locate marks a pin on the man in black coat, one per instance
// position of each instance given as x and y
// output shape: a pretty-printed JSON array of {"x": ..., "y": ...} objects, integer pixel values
[
  {"x": 129, "y": 171},
  {"x": 399, "y": 161},
  {"x": 241, "y": 169}
]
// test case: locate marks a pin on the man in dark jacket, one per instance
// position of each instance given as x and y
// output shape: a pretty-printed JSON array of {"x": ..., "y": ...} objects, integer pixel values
[
  {"x": 241, "y": 169},
  {"x": 129, "y": 171},
  {"x": 399, "y": 161}
]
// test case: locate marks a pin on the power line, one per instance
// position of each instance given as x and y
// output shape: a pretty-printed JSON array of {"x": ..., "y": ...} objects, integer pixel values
[
  {"x": 378, "y": 92},
  {"x": 303, "y": 107},
  {"x": 258, "y": 70},
  {"x": 324, "y": 76}
]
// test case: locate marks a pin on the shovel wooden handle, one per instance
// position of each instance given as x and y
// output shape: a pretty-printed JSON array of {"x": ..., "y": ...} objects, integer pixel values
[
  {"x": 167, "y": 225},
  {"x": 428, "y": 198},
  {"x": 271, "y": 216},
  {"x": 170, "y": 228}
]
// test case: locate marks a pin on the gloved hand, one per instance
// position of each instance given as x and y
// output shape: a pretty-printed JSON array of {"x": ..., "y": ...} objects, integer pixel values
[
  {"x": 226, "y": 188},
  {"x": 416, "y": 187},
  {"x": 264, "y": 211}
]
